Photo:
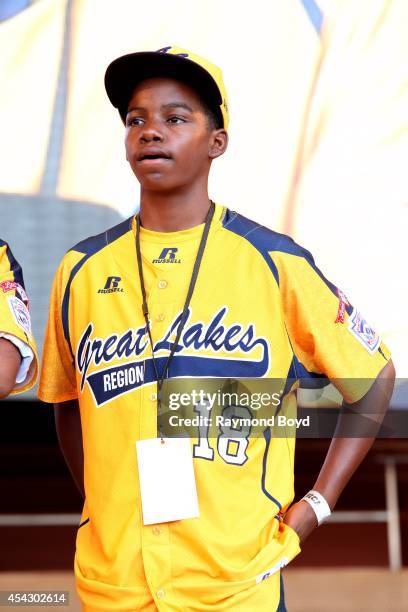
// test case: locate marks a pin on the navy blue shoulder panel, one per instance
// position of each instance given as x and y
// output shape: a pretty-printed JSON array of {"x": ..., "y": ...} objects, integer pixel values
[
  {"x": 262, "y": 238},
  {"x": 93, "y": 244},
  {"x": 14, "y": 265},
  {"x": 89, "y": 247},
  {"x": 265, "y": 240}
]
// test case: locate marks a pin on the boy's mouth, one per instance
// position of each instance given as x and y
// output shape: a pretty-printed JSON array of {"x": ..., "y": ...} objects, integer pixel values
[{"x": 150, "y": 155}]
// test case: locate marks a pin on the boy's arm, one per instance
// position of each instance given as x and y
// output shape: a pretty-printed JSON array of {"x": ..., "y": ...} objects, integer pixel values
[
  {"x": 69, "y": 432},
  {"x": 17, "y": 341},
  {"x": 57, "y": 381},
  {"x": 10, "y": 360},
  {"x": 344, "y": 454}
]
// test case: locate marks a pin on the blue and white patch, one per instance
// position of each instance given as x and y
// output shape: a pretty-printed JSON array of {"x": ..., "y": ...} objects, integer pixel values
[
  {"x": 272, "y": 570},
  {"x": 361, "y": 330},
  {"x": 20, "y": 313}
]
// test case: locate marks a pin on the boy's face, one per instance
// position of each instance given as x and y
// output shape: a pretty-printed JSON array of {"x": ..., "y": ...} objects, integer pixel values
[{"x": 169, "y": 142}]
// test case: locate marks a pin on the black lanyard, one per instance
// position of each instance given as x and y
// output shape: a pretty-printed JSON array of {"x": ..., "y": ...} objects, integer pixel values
[{"x": 200, "y": 252}]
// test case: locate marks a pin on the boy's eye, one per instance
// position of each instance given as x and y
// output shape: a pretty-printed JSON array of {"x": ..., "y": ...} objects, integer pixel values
[
  {"x": 134, "y": 121},
  {"x": 137, "y": 121},
  {"x": 176, "y": 119}
]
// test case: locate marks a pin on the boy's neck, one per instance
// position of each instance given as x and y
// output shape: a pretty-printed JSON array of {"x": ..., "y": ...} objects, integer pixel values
[{"x": 164, "y": 212}]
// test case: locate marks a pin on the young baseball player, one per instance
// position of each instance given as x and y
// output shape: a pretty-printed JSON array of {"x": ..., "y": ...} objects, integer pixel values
[
  {"x": 18, "y": 360},
  {"x": 190, "y": 289}
]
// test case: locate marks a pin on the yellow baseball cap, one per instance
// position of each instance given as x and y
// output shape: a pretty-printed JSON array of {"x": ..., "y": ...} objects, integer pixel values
[{"x": 127, "y": 71}]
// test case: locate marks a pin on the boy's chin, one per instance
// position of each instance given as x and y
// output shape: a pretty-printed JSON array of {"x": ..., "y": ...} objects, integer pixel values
[{"x": 157, "y": 183}]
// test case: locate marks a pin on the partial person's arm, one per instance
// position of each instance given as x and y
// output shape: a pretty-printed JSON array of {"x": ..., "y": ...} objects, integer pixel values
[
  {"x": 69, "y": 432},
  {"x": 17, "y": 344},
  {"x": 10, "y": 360},
  {"x": 344, "y": 454}
]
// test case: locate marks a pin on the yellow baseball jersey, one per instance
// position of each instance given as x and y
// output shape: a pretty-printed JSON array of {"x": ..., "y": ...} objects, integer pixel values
[
  {"x": 15, "y": 318},
  {"x": 260, "y": 309}
]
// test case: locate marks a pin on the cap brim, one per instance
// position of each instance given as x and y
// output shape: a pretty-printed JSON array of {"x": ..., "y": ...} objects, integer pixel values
[{"x": 127, "y": 71}]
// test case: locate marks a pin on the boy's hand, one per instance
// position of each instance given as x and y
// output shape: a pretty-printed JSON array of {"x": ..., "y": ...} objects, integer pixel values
[
  {"x": 302, "y": 519},
  {"x": 344, "y": 454}
]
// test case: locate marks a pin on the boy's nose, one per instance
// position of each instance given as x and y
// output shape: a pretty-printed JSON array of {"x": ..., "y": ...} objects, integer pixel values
[{"x": 150, "y": 134}]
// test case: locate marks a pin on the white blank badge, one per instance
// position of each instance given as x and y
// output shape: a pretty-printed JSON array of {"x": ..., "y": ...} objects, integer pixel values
[{"x": 167, "y": 482}]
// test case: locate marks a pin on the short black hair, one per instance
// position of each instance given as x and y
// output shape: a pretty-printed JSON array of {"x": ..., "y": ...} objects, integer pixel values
[{"x": 213, "y": 117}]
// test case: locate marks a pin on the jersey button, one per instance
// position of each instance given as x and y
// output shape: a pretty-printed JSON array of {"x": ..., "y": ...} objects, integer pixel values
[
  {"x": 162, "y": 284},
  {"x": 156, "y": 530},
  {"x": 153, "y": 397},
  {"x": 161, "y": 594},
  {"x": 160, "y": 317}
]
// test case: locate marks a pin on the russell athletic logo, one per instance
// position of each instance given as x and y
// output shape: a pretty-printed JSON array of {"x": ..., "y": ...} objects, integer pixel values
[
  {"x": 167, "y": 256},
  {"x": 112, "y": 285},
  {"x": 244, "y": 354}
]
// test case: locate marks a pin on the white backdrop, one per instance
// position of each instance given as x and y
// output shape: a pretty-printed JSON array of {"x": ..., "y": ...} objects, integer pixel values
[{"x": 318, "y": 135}]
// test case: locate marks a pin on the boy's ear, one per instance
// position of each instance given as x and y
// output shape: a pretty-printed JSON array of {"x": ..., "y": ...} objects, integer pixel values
[{"x": 218, "y": 143}]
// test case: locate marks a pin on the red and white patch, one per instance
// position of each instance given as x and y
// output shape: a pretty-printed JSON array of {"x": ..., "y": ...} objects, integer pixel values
[
  {"x": 20, "y": 313},
  {"x": 8, "y": 285},
  {"x": 364, "y": 333},
  {"x": 343, "y": 302}
]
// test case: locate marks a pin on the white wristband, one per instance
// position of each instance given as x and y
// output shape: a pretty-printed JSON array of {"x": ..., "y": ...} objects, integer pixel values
[
  {"x": 319, "y": 505},
  {"x": 27, "y": 357}
]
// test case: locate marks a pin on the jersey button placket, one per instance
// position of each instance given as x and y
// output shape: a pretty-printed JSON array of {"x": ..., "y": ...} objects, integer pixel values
[
  {"x": 148, "y": 413},
  {"x": 157, "y": 560},
  {"x": 156, "y": 538}
]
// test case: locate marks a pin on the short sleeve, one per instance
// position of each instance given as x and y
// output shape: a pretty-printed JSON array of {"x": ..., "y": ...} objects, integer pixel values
[
  {"x": 15, "y": 319},
  {"x": 329, "y": 336},
  {"x": 57, "y": 379}
]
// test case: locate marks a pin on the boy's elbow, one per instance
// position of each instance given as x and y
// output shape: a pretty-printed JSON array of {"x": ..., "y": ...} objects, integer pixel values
[
  {"x": 6, "y": 385},
  {"x": 388, "y": 371},
  {"x": 386, "y": 379},
  {"x": 10, "y": 360}
]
